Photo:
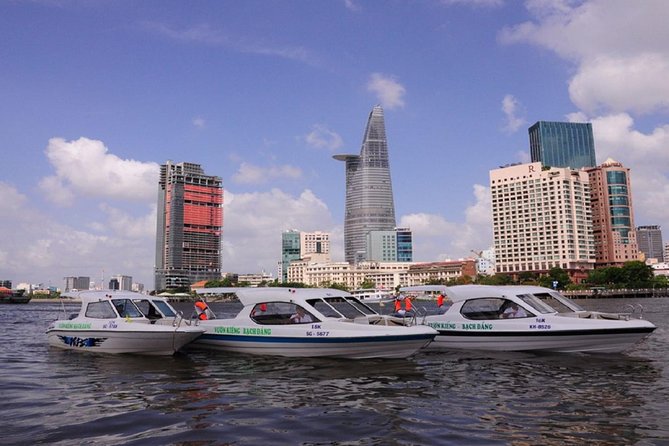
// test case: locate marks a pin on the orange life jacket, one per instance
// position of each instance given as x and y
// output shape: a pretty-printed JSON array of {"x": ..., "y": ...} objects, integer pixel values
[
  {"x": 407, "y": 304},
  {"x": 440, "y": 300},
  {"x": 202, "y": 310}
]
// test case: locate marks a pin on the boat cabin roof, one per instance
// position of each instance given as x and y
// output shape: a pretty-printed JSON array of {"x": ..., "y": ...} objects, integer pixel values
[
  {"x": 96, "y": 295},
  {"x": 253, "y": 296},
  {"x": 459, "y": 293}
]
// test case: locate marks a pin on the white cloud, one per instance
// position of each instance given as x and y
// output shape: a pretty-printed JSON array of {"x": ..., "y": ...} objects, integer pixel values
[
  {"x": 83, "y": 167},
  {"x": 511, "y": 107},
  {"x": 351, "y": 5},
  {"x": 436, "y": 238},
  {"x": 204, "y": 34},
  {"x": 254, "y": 223},
  {"x": 199, "y": 122},
  {"x": 475, "y": 3},
  {"x": 621, "y": 53},
  {"x": 37, "y": 248},
  {"x": 128, "y": 226},
  {"x": 388, "y": 91},
  {"x": 250, "y": 174},
  {"x": 636, "y": 83},
  {"x": 322, "y": 137}
]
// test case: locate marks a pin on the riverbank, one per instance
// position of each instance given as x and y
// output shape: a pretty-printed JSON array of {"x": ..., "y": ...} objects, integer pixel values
[{"x": 618, "y": 293}]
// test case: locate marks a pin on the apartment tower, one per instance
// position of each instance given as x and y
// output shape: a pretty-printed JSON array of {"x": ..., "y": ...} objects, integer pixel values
[
  {"x": 189, "y": 226},
  {"x": 541, "y": 220},
  {"x": 612, "y": 214},
  {"x": 562, "y": 144},
  {"x": 369, "y": 191}
]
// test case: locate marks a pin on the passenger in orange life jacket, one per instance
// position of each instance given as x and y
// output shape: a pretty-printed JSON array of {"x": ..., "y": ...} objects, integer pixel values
[
  {"x": 260, "y": 308},
  {"x": 398, "y": 304},
  {"x": 407, "y": 303},
  {"x": 201, "y": 309},
  {"x": 440, "y": 300}
]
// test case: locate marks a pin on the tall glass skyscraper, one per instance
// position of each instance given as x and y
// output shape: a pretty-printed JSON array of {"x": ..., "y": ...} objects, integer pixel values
[
  {"x": 369, "y": 191},
  {"x": 189, "y": 226},
  {"x": 562, "y": 144}
]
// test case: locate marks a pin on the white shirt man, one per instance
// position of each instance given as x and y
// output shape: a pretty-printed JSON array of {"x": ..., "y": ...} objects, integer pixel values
[{"x": 514, "y": 311}]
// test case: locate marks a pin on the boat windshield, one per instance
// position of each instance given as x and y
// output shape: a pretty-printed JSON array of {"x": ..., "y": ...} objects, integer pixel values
[
  {"x": 126, "y": 308},
  {"x": 338, "y": 307},
  {"x": 154, "y": 309},
  {"x": 165, "y": 308},
  {"x": 550, "y": 302}
]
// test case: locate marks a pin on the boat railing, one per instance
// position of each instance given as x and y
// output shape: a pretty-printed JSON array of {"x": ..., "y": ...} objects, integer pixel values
[{"x": 634, "y": 309}]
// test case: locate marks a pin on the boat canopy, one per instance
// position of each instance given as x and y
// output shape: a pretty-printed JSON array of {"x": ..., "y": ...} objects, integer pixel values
[{"x": 253, "y": 296}]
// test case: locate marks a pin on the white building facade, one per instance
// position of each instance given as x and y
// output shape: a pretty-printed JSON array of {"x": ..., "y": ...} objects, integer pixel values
[{"x": 542, "y": 219}]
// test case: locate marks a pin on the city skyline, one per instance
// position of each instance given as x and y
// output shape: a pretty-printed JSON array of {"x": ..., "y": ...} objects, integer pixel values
[{"x": 97, "y": 95}]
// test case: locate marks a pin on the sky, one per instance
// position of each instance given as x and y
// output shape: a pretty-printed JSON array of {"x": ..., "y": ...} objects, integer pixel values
[{"x": 94, "y": 96}]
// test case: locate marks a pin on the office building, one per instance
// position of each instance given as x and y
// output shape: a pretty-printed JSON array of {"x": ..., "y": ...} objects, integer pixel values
[
  {"x": 562, "y": 144},
  {"x": 389, "y": 246},
  {"x": 120, "y": 282},
  {"x": 650, "y": 242},
  {"x": 369, "y": 192},
  {"x": 612, "y": 214},
  {"x": 541, "y": 220},
  {"x": 189, "y": 226},
  {"x": 296, "y": 245},
  {"x": 77, "y": 283}
]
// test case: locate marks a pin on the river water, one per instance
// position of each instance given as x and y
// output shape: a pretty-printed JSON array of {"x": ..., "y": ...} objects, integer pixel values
[{"x": 50, "y": 396}]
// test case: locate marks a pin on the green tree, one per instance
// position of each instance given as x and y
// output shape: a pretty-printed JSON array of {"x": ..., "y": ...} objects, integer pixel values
[
  {"x": 637, "y": 274},
  {"x": 556, "y": 274},
  {"x": 367, "y": 284},
  {"x": 528, "y": 278}
]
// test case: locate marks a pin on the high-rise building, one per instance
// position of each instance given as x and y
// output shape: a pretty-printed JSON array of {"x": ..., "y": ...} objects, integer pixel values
[
  {"x": 389, "y": 246},
  {"x": 612, "y": 214},
  {"x": 542, "y": 220},
  {"x": 369, "y": 191},
  {"x": 290, "y": 251},
  {"x": 562, "y": 144},
  {"x": 189, "y": 226},
  {"x": 315, "y": 245},
  {"x": 296, "y": 245},
  {"x": 77, "y": 283},
  {"x": 650, "y": 242},
  {"x": 121, "y": 282}
]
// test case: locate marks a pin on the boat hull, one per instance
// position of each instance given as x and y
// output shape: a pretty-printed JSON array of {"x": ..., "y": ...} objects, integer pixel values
[
  {"x": 359, "y": 347},
  {"x": 615, "y": 340},
  {"x": 158, "y": 342}
]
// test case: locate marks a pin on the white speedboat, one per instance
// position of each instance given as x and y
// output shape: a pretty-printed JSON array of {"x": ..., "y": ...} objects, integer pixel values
[
  {"x": 527, "y": 318},
  {"x": 373, "y": 295},
  {"x": 123, "y": 322},
  {"x": 310, "y": 322}
]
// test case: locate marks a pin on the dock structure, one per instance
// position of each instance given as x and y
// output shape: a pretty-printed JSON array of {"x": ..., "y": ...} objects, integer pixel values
[{"x": 617, "y": 293}]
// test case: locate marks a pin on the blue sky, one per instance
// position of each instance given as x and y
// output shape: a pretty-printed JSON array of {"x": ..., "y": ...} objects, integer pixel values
[{"x": 96, "y": 95}]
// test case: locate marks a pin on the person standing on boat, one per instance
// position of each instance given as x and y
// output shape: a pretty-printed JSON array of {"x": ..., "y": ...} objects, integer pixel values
[
  {"x": 440, "y": 300},
  {"x": 407, "y": 304},
  {"x": 398, "y": 303},
  {"x": 202, "y": 310}
]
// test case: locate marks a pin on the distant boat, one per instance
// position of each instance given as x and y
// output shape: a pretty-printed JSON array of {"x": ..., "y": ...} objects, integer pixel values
[
  {"x": 373, "y": 295},
  {"x": 8, "y": 296}
]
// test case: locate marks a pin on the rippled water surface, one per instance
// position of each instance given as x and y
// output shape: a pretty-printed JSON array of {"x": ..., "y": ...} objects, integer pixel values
[{"x": 51, "y": 396}]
